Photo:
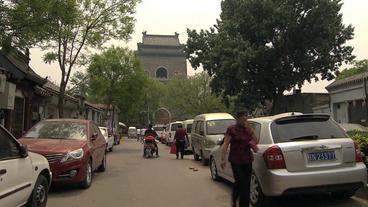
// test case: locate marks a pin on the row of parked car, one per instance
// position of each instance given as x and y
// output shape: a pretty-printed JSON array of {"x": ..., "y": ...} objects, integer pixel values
[
  {"x": 53, "y": 152},
  {"x": 298, "y": 154}
]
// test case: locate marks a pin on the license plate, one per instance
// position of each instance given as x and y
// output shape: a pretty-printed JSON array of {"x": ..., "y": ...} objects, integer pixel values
[{"x": 321, "y": 156}]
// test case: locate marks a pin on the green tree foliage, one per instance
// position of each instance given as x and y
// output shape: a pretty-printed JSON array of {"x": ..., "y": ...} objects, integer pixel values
[
  {"x": 94, "y": 23},
  {"x": 189, "y": 96},
  {"x": 25, "y": 23},
  {"x": 260, "y": 48},
  {"x": 359, "y": 67}
]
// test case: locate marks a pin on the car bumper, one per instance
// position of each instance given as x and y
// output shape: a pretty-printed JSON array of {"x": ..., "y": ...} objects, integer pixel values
[
  {"x": 279, "y": 182},
  {"x": 63, "y": 173}
]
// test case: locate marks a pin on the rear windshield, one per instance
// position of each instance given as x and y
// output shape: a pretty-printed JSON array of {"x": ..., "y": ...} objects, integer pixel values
[
  {"x": 58, "y": 130},
  {"x": 174, "y": 127},
  {"x": 218, "y": 126},
  {"x": 305, "y": 129},
  {"x": 189, "y": 128},
  {"x": 159, "y": 128},
  {"x": 103, "y": 132}
]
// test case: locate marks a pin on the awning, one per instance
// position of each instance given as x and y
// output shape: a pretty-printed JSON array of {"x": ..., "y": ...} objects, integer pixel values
[{"x": 122, "y": 124}]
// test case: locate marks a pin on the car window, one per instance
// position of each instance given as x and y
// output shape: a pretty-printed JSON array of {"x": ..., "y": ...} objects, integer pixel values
[
  {"x": 218, "y": 126},
  {"x": 201, "y": 128},
  {"x": 305, "y": 129},
  {"x": 103, "y": 131},
  {"x": 196, "y": 129},
  {"x": 95, "y": 129},
  {"x": 189, "y": 128},
  {"x": 9, "y": 147},
  {"x": 159, "y": 128},
  {"x": 58, "y": 130}
]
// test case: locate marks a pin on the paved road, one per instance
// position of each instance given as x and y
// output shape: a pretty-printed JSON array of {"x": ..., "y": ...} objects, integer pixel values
[{"x": 131, "y": 181}]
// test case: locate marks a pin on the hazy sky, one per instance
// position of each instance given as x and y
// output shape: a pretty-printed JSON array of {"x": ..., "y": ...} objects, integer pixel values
[{"x": 170, "y": 16}]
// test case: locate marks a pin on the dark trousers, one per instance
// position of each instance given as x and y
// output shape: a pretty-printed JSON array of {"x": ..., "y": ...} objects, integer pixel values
[
  {"x": 241, "y": 188},
  {"x": 180, "y": 145}
]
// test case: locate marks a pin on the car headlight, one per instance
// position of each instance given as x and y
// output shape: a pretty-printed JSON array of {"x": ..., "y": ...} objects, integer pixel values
[{"x": 73, "y": 155}]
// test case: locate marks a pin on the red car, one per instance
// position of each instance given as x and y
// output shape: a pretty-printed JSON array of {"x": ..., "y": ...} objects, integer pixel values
[{"x": 74, "y": 148}]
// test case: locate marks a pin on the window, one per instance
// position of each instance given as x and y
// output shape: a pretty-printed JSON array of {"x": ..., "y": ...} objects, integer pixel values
[
  {"x": 161, "y": 73},
  {"x": 257, "y": 129},
  {"x": 174, "y": 127},
  {"x": 189, "y": 128},
  {"x": 201, "y": 128},
  {"x": 58, "y": 130},
  {"x": 9, "y": 147},
  {"x": 219, "y": 126}
]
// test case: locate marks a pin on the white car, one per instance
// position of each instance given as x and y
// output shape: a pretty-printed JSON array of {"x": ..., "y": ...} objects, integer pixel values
[
  {"x": 299, "y": 153},
  {"x": 25, "y": 177},
  {"x": 109, "y": 139},
  {"x": 170, "y": 131}
]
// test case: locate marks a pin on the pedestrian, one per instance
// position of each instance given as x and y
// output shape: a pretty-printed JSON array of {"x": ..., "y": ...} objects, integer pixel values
[
  {"x": 179, "y": 138},
  {"x": 241, "y": 139}
]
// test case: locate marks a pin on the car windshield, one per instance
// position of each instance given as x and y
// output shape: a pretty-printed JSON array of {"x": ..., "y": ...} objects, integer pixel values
[
  {"x": 189, "y": 128},
  {"x": 174, "y": 127},
  {"x": 58, "y": 130},
  {"x": 305, "y": 129},
  {"x": 159, "y": 128},
  {"x": 219, "y": 126}
]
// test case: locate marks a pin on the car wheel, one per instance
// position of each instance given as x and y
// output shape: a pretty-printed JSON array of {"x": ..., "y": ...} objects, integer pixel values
[
  {"x": 213, "y": 169},
  {"x": 112, "y": 148},
  {"x": 39, "y": 194},
  {"x": 343, "y": 195},
  {"x": 196, "y": 157},
  {"x": 203, "y": 159},
  {"x": 86, "y": 183},
  {"x": 102, "y": 167},
  {"x": 257, "y": 198}
]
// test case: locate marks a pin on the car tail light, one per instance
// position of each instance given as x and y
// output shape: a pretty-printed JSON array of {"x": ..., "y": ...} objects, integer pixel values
[
  {"x": 274, "y": 158},
  {"x": 358, "y": 153}
]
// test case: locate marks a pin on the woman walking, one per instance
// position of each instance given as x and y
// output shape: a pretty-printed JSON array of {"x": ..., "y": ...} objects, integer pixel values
[
  {"x": 241, "y": 139},
  {"x": 180, "y": 136}
]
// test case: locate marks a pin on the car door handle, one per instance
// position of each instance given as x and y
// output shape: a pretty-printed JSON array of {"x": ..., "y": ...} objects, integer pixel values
[{"x": 3, "y": 171}]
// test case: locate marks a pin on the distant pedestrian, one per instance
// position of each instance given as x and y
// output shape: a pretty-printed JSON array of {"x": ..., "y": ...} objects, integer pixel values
[
  {"x": 180, "y": 137},
  {"x": 241, "y": 139}
]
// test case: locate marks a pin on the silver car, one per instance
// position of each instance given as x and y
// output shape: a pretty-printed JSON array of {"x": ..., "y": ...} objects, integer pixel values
[{"x": 299, "y": 153}]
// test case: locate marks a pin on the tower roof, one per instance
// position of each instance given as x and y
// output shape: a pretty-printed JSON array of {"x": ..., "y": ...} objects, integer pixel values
[{"x": 161, "y": 40}]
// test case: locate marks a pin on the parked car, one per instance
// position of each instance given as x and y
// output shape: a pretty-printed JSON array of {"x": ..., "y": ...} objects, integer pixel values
[
  {"x": 108, "y": 138},
  {"x": 187, "y": 124},
  {"x": 207, "y": 129},
  {"x": 299, "y": 153},
  {"x": 25, "y": 177},
  {"x": 159, "y": 130},
  {"x": 170, "y": 132},
  {"x": 74, "y": 148},
  {"x": 132, "y": 133}
]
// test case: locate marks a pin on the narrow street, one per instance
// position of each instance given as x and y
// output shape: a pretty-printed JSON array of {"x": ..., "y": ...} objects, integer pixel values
[{"x": 132, "y": 181}]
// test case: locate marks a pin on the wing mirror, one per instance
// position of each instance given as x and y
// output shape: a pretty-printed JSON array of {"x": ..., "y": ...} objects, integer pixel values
[
  {"x": 220, "y": 141},
  {"x": 94, "y": 136},
  {"x": 23, "y": 151}
]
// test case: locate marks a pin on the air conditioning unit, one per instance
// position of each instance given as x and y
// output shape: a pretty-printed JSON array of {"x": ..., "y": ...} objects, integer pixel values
[
  {"x": 2, "y": 83},
  {"x": 8, "y": 97}
]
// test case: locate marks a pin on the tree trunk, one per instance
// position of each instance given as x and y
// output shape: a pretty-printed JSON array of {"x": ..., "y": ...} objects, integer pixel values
[{"x": 61, "y": 99}]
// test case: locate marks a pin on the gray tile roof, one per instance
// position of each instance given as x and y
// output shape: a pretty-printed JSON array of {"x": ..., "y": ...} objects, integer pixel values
[
  {"x": 348, "y": 80},
  {"x": 162, "y": 40}
]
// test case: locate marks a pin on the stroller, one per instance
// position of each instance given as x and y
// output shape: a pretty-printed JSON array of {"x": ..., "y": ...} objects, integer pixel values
[{"x": 149, "y": 147}]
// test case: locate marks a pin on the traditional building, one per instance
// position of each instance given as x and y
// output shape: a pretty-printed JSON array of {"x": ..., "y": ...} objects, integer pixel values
[{"x": 162, "y": 56}]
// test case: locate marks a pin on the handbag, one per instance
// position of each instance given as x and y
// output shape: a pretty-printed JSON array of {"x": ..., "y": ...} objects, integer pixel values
[{"x": 173, "y": 149}]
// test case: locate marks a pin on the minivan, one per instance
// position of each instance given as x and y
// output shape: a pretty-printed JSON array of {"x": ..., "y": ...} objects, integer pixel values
[
  {"x": 132, "y": 132},
  {"x": 206, "y": 130},
  {"x": 170, "y": 131},
  {"x": 187, "y": 125}
]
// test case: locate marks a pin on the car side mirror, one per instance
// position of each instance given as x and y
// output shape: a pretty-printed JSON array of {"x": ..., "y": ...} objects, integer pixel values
[
  {"x": 220, "y": 141},
  {"x": 23, "y": 151},
  {"x": 94, "y": 136}
]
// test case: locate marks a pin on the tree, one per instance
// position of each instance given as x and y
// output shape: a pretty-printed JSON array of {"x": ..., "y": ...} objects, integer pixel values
[
  {"x": 24, "y": 24},
  {"x": 359, "y": 67},
  {"x": 190, "y": 96},
  {"x": 95, "y": 22},
  {"x": 260, "y": 48},
  {"x": 79, "y": 84}
]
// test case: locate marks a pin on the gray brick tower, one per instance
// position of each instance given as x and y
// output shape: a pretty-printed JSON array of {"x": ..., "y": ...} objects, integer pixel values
[{"x": 162, "y": 56}]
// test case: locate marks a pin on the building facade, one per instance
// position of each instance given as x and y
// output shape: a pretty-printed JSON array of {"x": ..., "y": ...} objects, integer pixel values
[
  {"x": 162, "y": 56},
  {"x": 349, "y": 99}
]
